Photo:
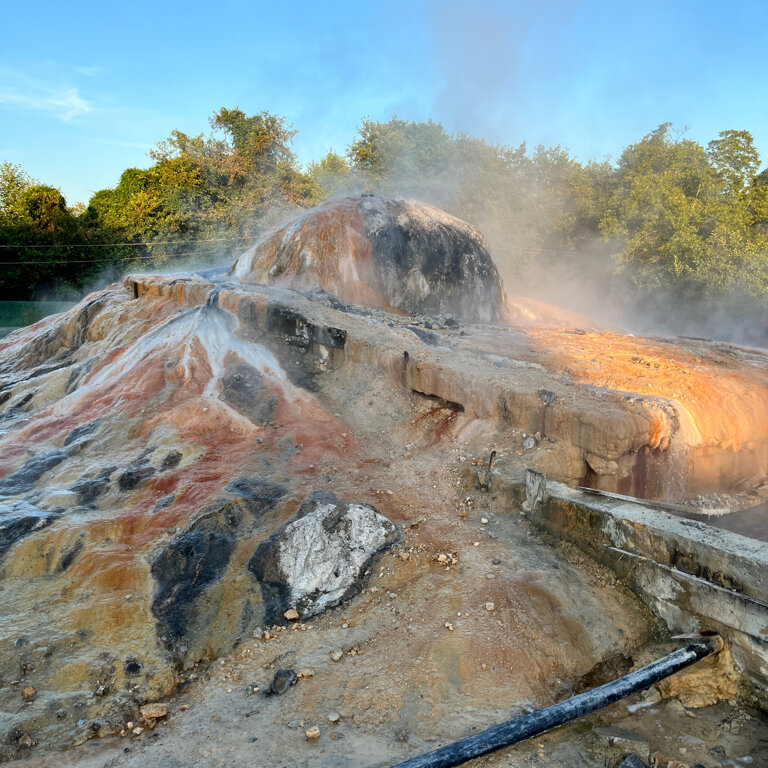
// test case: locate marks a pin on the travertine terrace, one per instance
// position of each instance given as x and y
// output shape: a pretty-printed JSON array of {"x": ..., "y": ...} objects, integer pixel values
[{"x": 153, "y": 437}]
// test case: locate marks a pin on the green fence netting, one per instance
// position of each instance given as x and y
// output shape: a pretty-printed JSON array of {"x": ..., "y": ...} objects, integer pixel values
[{"x": 15, "y": 314}]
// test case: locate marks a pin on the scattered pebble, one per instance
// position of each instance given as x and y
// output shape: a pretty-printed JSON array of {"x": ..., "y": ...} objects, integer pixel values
[
  {"x": 137, "y": 731},
  {"x": 484, "y": 520},
  {"x": 312, "y": 733},
  {"x": 291, "y": 614},
  {"x": 154, "y": 711},
  {"x": 490, "y": 606},
  {"x": 336, "y": 655},
  {"x": 26, "y": 741},
  {"x": 404, "y": 555},
  {"x": 496, "y": 561},
  {"x": 29, "y": 693},
  {"x": 334, "y": 717}
]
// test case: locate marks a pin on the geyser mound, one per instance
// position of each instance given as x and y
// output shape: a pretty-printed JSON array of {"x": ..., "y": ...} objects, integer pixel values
[
  {"x": 391, "y": 254},
  {"x": 184, "y": 457}
]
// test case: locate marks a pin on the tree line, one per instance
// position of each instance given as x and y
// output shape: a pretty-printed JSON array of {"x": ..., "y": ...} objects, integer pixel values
[{"x": 671, "y": 223}]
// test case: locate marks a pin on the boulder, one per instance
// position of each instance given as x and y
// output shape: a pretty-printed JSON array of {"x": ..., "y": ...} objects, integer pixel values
[
  {"x": 320, "y": 557},
  {"x": 391, "y": 254}
]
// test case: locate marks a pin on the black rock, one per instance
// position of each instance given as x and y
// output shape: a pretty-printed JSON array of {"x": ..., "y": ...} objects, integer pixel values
[
  {"x": 547, "y": 397},
  {"x": 89, "y": 488},
  {"x": 19, "y": 519},
  {"x": 171, "y": 461},
  {"x": 319, "y": 558},
  {"x": 428, "y": 337},
  {"x": 22, "y": 480},
  {"x": 183, "y": 570},
  {"x": 135, "y": 476},
  {"x": 282, "y": 681},
  {"x": 83, "y": 431},
  {"x": 242, "y": 388},
  {"x": 194, "y": 561},
  {"x": 632, "y": 761},
  {"x": 410, "y": 238}
]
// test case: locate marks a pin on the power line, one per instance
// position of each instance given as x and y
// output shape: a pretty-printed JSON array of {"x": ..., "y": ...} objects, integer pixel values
[
  {"x": 115, "y": 245},
  {"x": 107, "y": 262}
]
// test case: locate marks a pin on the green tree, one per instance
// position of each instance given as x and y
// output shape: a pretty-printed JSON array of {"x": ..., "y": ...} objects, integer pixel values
[
  {"x": 735, "y": 159},
  {"x": 685, "y": 216}
]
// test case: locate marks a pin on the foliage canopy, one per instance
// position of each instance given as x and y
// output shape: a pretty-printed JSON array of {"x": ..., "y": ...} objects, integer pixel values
[{"x": 672, "y": 218}]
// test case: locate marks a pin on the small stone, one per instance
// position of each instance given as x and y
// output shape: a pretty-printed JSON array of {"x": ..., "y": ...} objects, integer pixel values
[
  {"x": 529, "y": 443},
  {"x": 490, "y": 575},
  {"x": 282, "y": 681},
  {"x": 632, "y": 761},
  {"x": 345, "y": 625},
  {"x": 392, "y": 595},
  {"x": 303, "y": 673},
  {"x": 336, "y": 655},
  {"x": 154, "y": 711},
  {"x": 26, "y": 741},
  {"x": 496, "y": 561},
  {"x": 312, "y": 733},
  {"x": 29, "y": 693},
  {"x": 484, "y": 520},
  {"x": 137, "y": 731},
  {"x": 334, "y": 717},
  {"x": 404, "y": 555},
  {"x": 475, "y": 543},
  {"x": 291, "y": 614},
  {"x": 490, "y": 606}
]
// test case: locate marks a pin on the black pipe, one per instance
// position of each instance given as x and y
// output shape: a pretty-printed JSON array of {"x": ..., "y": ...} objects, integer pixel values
[{"x": 536, "y": 723}]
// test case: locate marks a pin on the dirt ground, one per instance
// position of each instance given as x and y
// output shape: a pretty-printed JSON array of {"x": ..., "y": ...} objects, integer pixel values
[{"x": 472, "y": 619}]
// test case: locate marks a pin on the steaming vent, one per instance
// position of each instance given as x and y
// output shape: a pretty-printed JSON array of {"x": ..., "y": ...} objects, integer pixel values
[{"x": 398, "y": 255}]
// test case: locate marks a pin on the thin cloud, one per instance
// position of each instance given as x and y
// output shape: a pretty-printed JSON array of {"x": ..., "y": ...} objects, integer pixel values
[
  {"x": 89, "y": 71},
  {"x": 26, "y": 93}
]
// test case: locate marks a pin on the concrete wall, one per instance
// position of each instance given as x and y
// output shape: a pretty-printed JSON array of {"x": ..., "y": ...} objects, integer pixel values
[{"x": 693, "y": 576}]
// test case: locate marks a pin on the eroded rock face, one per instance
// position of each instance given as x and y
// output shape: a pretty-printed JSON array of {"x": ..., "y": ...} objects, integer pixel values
[
  {"x": 391, "y": 254},
  {"x": 320, "y": 558},
  {"x": 138, "y": 451},
  {"x": 157, "y": 441}
]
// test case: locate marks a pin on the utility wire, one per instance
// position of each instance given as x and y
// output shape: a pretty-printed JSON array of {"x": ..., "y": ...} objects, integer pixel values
[
  {"x": 107, "y": 262},
  {"x": 115, "y": 245}
]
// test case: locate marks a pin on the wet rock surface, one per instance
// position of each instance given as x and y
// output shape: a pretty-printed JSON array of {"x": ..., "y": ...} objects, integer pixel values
[
  {"x": 19, "y": 519},
  {"x": 319, "y": 559},
  {"x": 186, "y": 459},
  {"x": 398, "y": 254}
]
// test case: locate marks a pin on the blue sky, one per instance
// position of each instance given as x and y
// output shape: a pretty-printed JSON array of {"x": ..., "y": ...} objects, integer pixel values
[{"x": 87, "y": 88}]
